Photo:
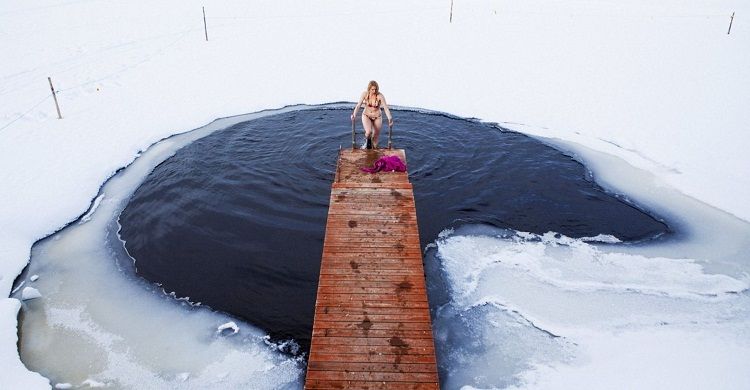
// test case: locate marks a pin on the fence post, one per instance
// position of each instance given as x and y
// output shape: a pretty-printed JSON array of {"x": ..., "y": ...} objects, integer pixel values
[
  {"x": 730, "y": 23},
  {"x": 205, "y": 28},
  {"x": 451, "y": 18},
  {"x": 54, "y": 96}
]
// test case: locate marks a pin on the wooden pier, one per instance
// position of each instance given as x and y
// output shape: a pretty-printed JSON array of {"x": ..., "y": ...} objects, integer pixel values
[{"x": 372, "y": 325}]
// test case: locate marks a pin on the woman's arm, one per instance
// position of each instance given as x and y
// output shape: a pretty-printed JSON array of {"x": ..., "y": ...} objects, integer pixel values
[
  {"x": 359, "y": 103},
  {"x": 387, "y": 111}
]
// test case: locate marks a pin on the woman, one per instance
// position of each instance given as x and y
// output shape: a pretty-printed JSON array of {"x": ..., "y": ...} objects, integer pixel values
[{"x": 372, "y": 120}]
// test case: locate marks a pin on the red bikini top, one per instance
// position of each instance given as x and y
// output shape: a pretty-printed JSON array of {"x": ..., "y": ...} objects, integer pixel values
[{"x": 377, "y": 101}]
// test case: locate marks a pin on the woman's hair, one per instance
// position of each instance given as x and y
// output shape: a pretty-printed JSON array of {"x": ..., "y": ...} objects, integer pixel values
[{"x": 373, "y": 83}]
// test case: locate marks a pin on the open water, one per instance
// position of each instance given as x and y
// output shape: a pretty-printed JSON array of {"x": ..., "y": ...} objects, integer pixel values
[{"x": 236, "y": 220}]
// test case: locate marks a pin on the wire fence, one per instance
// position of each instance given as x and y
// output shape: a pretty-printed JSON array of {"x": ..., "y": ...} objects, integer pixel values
[
  {"x": 181, "y": 35},
  {"x": 226, "y": 20},
  {"x": 26, "y": 112}
]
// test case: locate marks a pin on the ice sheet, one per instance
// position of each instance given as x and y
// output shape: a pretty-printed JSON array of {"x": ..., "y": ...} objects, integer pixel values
[
  {"x": 588, "y": 318},
  {"x": 98, "y": 325}
]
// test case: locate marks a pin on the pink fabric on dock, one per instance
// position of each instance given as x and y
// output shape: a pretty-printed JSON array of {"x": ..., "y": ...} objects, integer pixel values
[{"x": 386, "y": 164}]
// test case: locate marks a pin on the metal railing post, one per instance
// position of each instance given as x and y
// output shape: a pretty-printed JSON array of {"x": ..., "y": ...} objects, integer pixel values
[
  {"x": 390, "y": 135},
  {"x": 338, "y": 166},
  {"x": 354, "y": 136}
]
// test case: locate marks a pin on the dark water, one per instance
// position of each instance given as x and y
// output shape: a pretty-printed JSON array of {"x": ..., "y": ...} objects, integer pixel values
[{"x": 236, "y": 220}]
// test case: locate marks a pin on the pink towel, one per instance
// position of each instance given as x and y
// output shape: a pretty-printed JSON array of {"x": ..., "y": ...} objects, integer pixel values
[{"x": 386, "y": 164}]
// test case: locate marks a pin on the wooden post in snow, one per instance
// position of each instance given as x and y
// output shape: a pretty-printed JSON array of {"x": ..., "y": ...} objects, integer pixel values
[
  {"x": 730, "y": 23},
  {"x": 205, "y": 28},
  {"x": 451, "y": 18},
  {"x": 54, "y": 96}
]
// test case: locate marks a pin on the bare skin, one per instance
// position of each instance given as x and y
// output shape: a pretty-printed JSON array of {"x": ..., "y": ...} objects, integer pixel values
[{"x": 372, "y": 120}]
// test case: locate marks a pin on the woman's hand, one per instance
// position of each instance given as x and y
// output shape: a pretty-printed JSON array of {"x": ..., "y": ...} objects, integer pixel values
[
  {"x": 352, "y": 117},
  {"x": 390, "y": 122}
]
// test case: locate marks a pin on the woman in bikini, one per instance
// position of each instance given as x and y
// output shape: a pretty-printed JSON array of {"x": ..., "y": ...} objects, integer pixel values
[{"x": 372, "y": 120}]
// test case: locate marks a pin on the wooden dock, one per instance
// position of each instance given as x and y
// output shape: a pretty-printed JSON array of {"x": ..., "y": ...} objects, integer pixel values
[{"x": 372, "y": 325}]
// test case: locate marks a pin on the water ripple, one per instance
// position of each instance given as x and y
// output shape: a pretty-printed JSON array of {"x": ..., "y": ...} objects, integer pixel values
[{"x": 236, "y": 220}]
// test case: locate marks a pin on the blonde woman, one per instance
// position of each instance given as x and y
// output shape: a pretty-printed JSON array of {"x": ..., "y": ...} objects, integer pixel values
[{"x": 372, "y": 119}]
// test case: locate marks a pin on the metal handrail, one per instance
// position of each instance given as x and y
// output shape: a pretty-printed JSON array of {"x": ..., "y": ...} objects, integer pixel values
[
  {"x": 354, "y": 135},
  {"x": 338, "y": 166},
  {"x": 390, "y": 136}
]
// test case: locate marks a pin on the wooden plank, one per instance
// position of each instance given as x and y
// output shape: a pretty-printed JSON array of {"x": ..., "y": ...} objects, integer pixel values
[
  {"x": 373, "y": 376},
  {"x": 376, "y": 304},
  {"x": 354, "y": 309},
  {"x": 358, "y": 264},
  {"x": 343, "y": 190},
  {"x": 330, "y": 275},
  {"x": 369, "y": 358},
  {"x": 396, "y": 317},
  {"x": 367, "y": 385},
  {"x": 372, "y": 326},
  {"x": 386, "y": 222},
  {"x": 375, "y": 199},
  {"x": 393, "y": 273},
  {"x": 338, "y": 254},
  {"x": 364, "y": 225},
  {"x": 401, "y": 290},
  {"x": 372, "y": 349},
  {"x": 329, "y": 299},
  {"x": 370, "y": 271},
  {"x": 393, "y": 213},
  {"x": 372, "y": 257},
  {"x": 371, "y": 312},
  {"x": 390, "y": 326},
  {"x": 353, "y": 282},
  {"x": 364, "y": 231},
  {"x": 400, "y": 243},
  {"x": 360, "y": 259},
  {"x": 348, "y": 186},
  {"x": 371, "y": 253},
  {"x": 374, "y": 341},
  {"x": 384, "y": 264},
  {"x": 368, "y": 367},
  {"x": 411, "y": 334},
  {"x": 370, "y": 195}
]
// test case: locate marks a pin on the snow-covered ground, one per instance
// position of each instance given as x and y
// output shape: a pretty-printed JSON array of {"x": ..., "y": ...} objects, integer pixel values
[{"x": 658, "y": 84}]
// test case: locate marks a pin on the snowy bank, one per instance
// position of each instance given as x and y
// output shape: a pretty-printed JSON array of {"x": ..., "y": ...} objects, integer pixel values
[{"x": 660, "y": 85}]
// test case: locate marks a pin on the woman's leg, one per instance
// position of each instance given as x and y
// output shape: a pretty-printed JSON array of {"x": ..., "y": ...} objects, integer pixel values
[
  {"x": 367, "y": 124},
  {"x": 378, "y": 125}
]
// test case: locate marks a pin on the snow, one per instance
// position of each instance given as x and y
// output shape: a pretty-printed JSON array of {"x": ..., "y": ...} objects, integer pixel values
[
  {"x": 30, "y": 293},
  {"x": 659, "y": 85},
  {"x": 34, "y": 278},
  {"x": 92, "y": 210},
  {"x": 20, "y": 285},
  {"x": 576, "y": 265},
  {"x": 229, "y": 325},
  {"x": 569, "y": 315},
  {"x": 99, "y": 320},
  {"x": 15, "y": 374},
  {"x": 92, "y": 383}
]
